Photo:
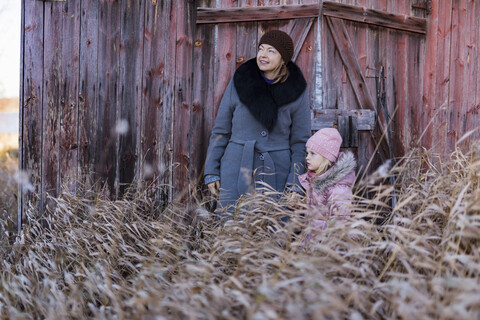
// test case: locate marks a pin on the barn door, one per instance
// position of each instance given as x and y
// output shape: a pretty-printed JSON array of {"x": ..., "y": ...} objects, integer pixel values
[
  {"x": 373, "y": 60},
  {"x": 349, "y": 59}
]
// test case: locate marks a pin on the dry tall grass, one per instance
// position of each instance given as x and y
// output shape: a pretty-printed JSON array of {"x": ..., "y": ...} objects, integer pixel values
[{"x": 125, "y": 259}]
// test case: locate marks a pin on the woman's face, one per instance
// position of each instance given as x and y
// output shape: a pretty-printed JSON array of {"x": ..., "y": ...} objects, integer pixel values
[
  {"x": 315, "y": 161},
  {"x": 268, "y": 59}
]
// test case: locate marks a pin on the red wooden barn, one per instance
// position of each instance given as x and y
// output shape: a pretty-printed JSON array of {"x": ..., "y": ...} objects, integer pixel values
[{"x": 116, "y": 92}]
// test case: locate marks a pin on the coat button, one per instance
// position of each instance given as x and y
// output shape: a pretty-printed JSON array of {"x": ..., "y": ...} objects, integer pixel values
[
  {"x": 261, "y": 157},
  {"x": 263, "y": 133}
]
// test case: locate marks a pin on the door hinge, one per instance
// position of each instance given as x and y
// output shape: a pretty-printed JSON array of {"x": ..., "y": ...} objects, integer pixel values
[{"x": 424, "y": 5}]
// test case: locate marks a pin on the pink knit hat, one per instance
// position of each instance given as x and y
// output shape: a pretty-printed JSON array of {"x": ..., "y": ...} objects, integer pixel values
[{"x": 326, "y": 142}]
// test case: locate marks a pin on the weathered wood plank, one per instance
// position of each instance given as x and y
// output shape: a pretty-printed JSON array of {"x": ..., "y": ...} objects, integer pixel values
[
  {"x": 458, "y": 105},
  {"x": 202, "y": 92},
  {"x": 306, "y": 51},
  {"x": 256, "y": 13},
  {"x": 413, "y": 114},
  {"x": 367, "y": 54},
  {"x": 374, "y": 17},
  {"x": 153, "y": 104},
  {"x": 130, "y": 99},
  {"x": 32, "y": 104},
  {"x": 159, "y": 97},
  {"x": 333, "y": 70},
  {"x": 51, "y": 104},
  {"x": 169, "y": 96},
  {"x": 416, "y": 46},
  {"x": 327, "y": 118},
  {"x": 108, "y": 84},
  {"x": 414, "y": 66},
  {"x": 442, "y": 77},
  {"x": 68, "y": 94},
  {"x": 473, "y": 118},
  {"x": 387, "y": 56},
  {"x": 88, "y": 107},
  {"x": 183, "y": 98},
  {"x": 358, "y": 33},
  {"x": 429, "y": 87},
  {"x": 400, "y": 82}
]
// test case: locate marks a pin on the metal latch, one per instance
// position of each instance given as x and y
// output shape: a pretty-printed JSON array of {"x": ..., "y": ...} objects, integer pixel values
[{"x": 424, "y": 5}]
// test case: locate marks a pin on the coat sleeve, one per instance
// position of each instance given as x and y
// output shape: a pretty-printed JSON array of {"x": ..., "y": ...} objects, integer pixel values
[
  {"x": 221, "y": 133},
  {"x": 340, "y": 200},
  {"x": 299, "y": 134}
]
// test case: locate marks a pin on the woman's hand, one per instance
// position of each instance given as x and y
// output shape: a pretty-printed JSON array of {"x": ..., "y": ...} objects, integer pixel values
[
  {"x": 214, "y": 187},
  {"x": 293, "y": 200},
  {"x": 293, "y": 197}
]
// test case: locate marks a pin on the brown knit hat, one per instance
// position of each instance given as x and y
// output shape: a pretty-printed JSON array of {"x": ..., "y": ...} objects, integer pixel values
[{"x": 280, "y": 41}]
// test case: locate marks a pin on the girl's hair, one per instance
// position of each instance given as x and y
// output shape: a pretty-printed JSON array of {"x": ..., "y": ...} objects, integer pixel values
[
  {"x": 324, "y": 165},
  {"x": 281, "y": 73}
]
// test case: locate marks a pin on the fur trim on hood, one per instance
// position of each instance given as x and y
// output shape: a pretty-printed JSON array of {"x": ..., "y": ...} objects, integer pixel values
[
  {"x": 262, "y": 99},
  {"x": 344, "y": 165}
]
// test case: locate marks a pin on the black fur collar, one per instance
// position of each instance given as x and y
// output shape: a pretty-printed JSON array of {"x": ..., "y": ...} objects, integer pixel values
[{"x": 262, "y": 99}]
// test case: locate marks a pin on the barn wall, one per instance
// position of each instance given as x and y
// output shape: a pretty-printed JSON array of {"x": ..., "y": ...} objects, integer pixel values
[
  {"x": 122, "y": 91},
  {"x": 451, "y": 91},
  {"x": 100, "y": 94}
]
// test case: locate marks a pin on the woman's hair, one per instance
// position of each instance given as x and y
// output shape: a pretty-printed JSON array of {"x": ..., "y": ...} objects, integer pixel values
[{"x": 280, "y": 73}]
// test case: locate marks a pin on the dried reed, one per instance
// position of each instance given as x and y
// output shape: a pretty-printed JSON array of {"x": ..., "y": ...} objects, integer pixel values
[{"x": 125, "y": 259}]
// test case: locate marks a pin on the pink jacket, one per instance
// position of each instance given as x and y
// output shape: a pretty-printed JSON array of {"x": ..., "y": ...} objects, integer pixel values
[{"x": 330, "y": 194}]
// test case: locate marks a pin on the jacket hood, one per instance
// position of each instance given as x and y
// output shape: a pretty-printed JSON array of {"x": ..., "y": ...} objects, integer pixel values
[
  {"x": 340, "y": 172},
  {"x": 262, "y": 99}
]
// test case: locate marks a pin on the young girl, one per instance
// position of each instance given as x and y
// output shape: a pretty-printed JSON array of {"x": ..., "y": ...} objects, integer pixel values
[{"x": 329, "y": 179}]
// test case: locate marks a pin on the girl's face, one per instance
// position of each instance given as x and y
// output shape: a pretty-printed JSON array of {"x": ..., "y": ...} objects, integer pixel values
[
  {"x": 316, "y": 162},
  {"x": 268, "y": 59}
]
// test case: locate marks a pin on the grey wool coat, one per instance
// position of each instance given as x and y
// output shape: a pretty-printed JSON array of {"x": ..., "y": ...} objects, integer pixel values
[{"x": 259, "y": 134}]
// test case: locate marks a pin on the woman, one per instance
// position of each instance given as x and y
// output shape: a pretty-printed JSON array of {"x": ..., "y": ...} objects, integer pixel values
[{"x": 262, "y": 124}]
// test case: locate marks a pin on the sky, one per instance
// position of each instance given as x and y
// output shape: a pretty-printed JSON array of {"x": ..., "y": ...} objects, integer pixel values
[{"x": 10, "y": 20}]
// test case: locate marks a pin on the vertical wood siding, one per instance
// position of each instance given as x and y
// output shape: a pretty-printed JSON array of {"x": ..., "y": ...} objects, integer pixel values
[
  {"x": 130, "y": 90},
  {"x": 203, "y": 108},
  {"x": 451, "y": 95},
  {"x": 88, "y": 108},
  {"x": 32, "y": 108},
  {"x": 90, "y": 65},
  {"x": 157, "y": 100}
]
